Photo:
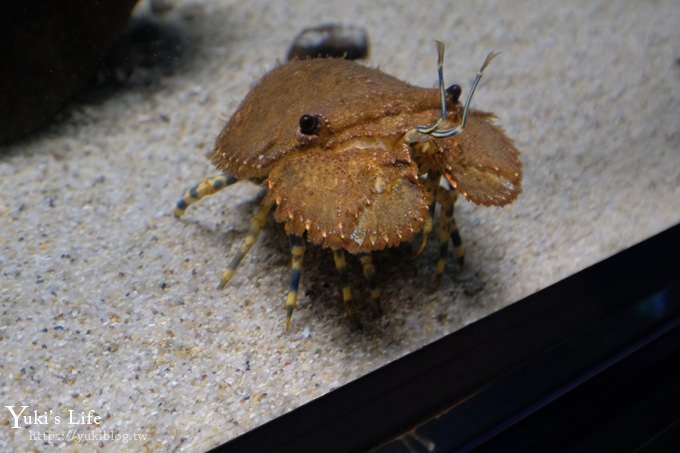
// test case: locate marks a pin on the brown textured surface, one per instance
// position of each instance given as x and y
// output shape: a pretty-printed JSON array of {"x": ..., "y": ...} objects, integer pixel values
[
  {"x": 341, "y": 92},
  {"x": 482, "y": 162},
  {"x": 359, "y": 197},
  {"x": 353, "y": 183}
]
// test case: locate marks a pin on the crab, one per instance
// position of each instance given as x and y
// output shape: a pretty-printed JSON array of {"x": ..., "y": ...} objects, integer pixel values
[{"x": 346, "y": 163}]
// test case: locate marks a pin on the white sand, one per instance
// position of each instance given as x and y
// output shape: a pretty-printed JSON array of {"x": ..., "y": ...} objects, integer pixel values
[{"x": 108, "y": 303}]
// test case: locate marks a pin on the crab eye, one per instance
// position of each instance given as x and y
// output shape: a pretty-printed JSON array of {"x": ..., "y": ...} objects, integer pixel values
[
  {"x": 309, "y": 124},
  {"x": 453, "y": 92}
]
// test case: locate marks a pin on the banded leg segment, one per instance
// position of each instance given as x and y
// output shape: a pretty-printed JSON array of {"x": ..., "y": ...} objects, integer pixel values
[
  {"x": 204, "y": 188},
  {"x": 256, "y": 225},
  {"x": 444, "y": 231},
  {"x": 458, "y": 250},
  {"x": 341, "y": 266},
  {"x": 297, "y": 251},
  {"x": 448, "y": 231},
  {"x": 432, "y": 184},
  {"x": 369, "y": 274}
]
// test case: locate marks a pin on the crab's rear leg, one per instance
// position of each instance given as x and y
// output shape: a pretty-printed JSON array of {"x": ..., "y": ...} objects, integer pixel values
[
  {"x": 444, "y": 230},
  {"x": 458, "y": 250},
  {"x": 432, "y": 184},
  {"x": 341, "y": 266},
  {"x": 297, "y": 251},
  {"x": 256, "y": 225},
  {"x": 204, "y": 188},
  {"x": 369, "y": 274},
  {"x": 448, "y": 232}
]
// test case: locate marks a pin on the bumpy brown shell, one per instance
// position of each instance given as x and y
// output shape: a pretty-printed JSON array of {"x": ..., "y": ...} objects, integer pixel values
[
  {"x": 482, "y": 162},
  {"x": 354, "y": 184},
  {"x": 343, "y": 93},
  {"x": 361, "y": 196}
]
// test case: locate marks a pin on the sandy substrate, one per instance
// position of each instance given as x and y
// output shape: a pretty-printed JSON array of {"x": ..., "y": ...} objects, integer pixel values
[{"x": 108, "y": 303}]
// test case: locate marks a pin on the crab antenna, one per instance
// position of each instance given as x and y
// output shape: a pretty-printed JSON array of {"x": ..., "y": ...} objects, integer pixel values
[
  {"x": 442, "y": 92},
  {"x": 457, "y": 130}
]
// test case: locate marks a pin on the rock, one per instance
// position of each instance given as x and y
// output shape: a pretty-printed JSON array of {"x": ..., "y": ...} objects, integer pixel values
[{"x": 330, "y": 40}]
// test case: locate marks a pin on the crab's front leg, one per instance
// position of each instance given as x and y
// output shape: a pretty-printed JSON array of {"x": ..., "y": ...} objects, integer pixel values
[
  {"x": 256, "y": 224},
  {"x": 458, "y": 249},
  {"x": 209, "y": 186},
  {"x": 204, "y": 188},
  {"x": 432, "y": 183}
]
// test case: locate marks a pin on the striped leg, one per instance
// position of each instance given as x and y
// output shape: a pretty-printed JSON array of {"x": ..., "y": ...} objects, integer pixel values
[
  {"x": 448, "y": 231},
  {"x": 204, "y": 188},
  {"x": 256, "y": 224},
  {"x": 297, "y": 250},
  {"x": 444, "y": 230},
  {"x": 369, "y": 273},
  {"x": 427, "y": 228},
  {"x": 432, "y": 184},
  {"x": 341, "y": 266},
  {"x": 458, "y": 250}
]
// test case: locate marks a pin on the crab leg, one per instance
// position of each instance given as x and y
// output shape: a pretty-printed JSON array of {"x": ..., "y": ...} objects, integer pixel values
[
  {"x": 297, "y": 250},
  {"x": 432, "y": 183},
  {"x": 256, "y": 224},
  {"x": 458, "y": 250},
  {"x": 204, "y": 188},
  {"x": 369, "y": 274},
  {"x": 341, "y": 266},
  {"x": 444, "y": 231},
  {"x": 448, "y": 232}
]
